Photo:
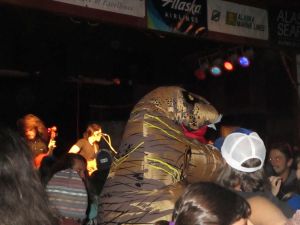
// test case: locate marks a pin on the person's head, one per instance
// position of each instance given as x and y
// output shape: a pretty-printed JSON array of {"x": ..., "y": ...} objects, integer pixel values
[
  {"x": 79, "y": 164},
  {"x": 208, "y": 203},
  {"x": 23, "y": 199},
  {"x": 68, "y": 161},
  {"x": 297, "y": 164},
  {"x": 32, "y": 127},
  {"x": 93, "y": 131},
  {"x": 162, "y": 222},
  {"x": 281, "y": 158},
  {"x": 68, "y": 196},
  {"x": 244, "y": 153}
]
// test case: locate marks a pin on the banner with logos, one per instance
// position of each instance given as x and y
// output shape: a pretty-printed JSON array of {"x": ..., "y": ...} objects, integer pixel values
[
  {"x": 235, "y": 19},
  {"x": 285, "y": 27},
  {"x": 177, "y": 16},
  {"x": 127, "y": 7}
]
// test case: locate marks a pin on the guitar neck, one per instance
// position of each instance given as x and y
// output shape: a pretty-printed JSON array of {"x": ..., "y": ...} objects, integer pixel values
[
  {"x": 50, "y": 151},
  {"x": 51, "y": 147}
]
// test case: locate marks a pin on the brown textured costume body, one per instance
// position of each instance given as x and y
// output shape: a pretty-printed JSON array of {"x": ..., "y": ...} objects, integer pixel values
[{"x": 155, "y": 155}]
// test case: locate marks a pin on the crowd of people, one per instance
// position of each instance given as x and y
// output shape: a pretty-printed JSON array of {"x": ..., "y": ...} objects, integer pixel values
[{"x": 256, "y": 186}]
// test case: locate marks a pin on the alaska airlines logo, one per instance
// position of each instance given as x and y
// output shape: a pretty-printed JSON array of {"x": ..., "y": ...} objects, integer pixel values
[{"x": 190, "y": 7}]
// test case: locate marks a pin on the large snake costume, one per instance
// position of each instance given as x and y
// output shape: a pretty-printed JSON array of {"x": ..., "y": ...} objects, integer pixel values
[{"x": 155, "y": 155}]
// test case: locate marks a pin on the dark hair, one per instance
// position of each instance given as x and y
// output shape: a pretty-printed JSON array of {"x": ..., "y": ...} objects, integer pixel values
[
  {"x": 23, "y": 198},
  {"x": 91, "y": 128},
  {"x": 208, "y": 203},
  {"x": 249, "y": 182},
  {"x": 284, "y": 147},
  {"x": 63, "y": 163},
  {"x": 31, "y": 121},
  {"x": 161, "y": 222}
]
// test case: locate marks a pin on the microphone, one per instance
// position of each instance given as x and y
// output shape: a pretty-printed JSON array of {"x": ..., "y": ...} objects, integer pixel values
[{"x": 107, "y": 139}]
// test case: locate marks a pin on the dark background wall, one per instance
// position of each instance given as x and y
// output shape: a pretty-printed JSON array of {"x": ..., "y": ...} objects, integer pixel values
[{"x": 54, "y": 51}]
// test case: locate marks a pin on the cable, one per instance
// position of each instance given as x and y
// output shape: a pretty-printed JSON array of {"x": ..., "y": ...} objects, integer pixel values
[{"x": 107, "y": 139}]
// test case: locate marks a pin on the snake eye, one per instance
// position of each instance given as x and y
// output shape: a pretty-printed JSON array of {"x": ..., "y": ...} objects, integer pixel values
[{"x": 191, "y": 98}]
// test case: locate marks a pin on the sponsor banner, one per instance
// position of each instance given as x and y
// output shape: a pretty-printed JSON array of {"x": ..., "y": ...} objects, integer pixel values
[
  {"x": 235, "y": 19},
  {"x": 177, "y": 16},
  {"x": 127, "y": 7},
  {"x": 285, "y": 27}
]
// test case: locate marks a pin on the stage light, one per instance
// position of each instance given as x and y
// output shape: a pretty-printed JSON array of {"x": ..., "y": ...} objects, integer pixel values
[
  {"x": 117, "y": 81},
  {"x": 215, "y": 71},
  {"x": 228, "y": 66},
  {"x": 200, "y": 74},
  {"x": 216, "y": 66},
  {"x": 244, "y": 61}
]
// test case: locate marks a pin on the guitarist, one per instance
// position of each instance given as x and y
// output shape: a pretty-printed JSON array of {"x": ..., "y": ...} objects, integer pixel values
[
  {"x": 52, "y": 132},
  {"x": 88, "y": 146},
  {"x": 36, "y": 136}
]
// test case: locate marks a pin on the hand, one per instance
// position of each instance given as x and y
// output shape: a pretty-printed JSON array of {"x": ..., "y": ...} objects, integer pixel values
[
  {"x": 275, "y": 184},
  {"x": 52, "y": 144}
]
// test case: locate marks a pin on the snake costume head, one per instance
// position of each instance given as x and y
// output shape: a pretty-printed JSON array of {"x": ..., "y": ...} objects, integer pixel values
[{"x": 180, "y": 106}]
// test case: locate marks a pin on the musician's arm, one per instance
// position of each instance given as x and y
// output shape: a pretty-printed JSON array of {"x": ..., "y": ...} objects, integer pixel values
[
  {"x": 52, "y": 144},
  {"x": 74, "y": 149}
]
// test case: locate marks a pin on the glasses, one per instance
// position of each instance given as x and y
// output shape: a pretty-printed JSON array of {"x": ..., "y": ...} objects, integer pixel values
[{"x": 276, "y": 159}]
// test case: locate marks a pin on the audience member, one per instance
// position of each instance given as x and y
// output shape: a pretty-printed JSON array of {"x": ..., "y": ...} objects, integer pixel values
[
  {"x": 293, "y": 196},
  {"x": 244, "y": 153},
  {"x": 162, "y": 222},
  {"x": 295, "y": 220},
  {"x": 23, "y": 199},
  {"x": 67, "y": 188},
  {"x": 51, "y": 166},
  {"x": 68, "y": 196},
  {"x": 283, "y": 178},
  {"x": 208, "y": 203}
]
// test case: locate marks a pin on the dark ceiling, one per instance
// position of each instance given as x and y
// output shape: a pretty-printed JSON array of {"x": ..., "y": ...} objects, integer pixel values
[
  {"x": 63, "y": 46},
  {"x": 50, "y": 48}
]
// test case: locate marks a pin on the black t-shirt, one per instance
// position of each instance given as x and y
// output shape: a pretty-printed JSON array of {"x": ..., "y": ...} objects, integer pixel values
[
  {"x": 86, "y": 149},
  {"x": 37, "y": 146}
]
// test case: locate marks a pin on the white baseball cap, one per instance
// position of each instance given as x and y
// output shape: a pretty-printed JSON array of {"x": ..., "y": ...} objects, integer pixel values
[{"x": 242, "y": 145}]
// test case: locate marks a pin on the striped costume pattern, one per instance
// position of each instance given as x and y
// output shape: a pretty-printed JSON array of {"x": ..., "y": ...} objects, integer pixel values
[{"x": 155, "y": 157}]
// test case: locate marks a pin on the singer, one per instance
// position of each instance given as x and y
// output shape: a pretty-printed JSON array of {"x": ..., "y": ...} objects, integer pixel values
[{"x": 88, "y": 146}]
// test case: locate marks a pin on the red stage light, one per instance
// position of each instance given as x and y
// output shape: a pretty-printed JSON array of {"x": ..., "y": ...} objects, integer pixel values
[
  {"x": 117, "y": 81},
  {"x": 200, "y": 74},
  {"x": 228, "y": 66}
]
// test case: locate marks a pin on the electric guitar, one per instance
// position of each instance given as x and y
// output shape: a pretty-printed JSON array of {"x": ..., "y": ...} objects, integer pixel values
[
  {"x": 91, "y": 166},
  {"x": 51, "y": 146}
]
